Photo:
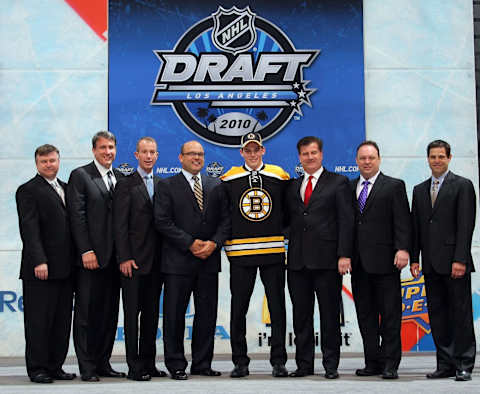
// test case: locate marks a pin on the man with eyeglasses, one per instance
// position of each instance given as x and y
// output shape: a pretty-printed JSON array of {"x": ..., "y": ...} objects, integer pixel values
[
  {"x": 255, "y": 191},
  {"x": 191, "y": 213}
]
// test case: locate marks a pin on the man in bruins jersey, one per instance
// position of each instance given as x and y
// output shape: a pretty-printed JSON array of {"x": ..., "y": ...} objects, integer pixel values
[{"x": 256, "y": 192}]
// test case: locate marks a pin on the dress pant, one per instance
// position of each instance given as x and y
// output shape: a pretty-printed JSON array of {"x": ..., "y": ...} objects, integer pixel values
[
  {"x": 141, "y": 299},
  {"x": 378, "y": 302},
  {"x": 449, "y": 304},
  {"x": 327, "y": 285},
  {"x": 176, "y": 296},
  {"x": 47, "y": 313},
  {"x": 242, "y": 282},
  {"x": 95, "y": 317}
]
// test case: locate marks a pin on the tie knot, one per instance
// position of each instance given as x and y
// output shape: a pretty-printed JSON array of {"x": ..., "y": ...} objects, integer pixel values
[
  {"x": 310, "y": 177},
  {"x": 109, "y": 173},
  {"x": 195, "y": 178},
  {"x": 436, "y": 182},
  {"x": 366, "y": 183},
  {"x": 147, "y": 177}
]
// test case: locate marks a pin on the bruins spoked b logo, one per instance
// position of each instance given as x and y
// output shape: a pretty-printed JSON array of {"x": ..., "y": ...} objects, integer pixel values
[{"x": 255, "y": 204}]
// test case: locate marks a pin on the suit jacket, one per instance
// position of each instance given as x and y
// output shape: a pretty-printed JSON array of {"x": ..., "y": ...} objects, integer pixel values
[
  {"x": 44, "y": 229},
  {"x": 180, "y": 221},
  {"x": 322, "y": 231},
  {"x": 384, "y": 226},
  {"x": 89, "y": 205},
  {"x": 443, "y": 234},
  {"x": 135, "y": 234}
]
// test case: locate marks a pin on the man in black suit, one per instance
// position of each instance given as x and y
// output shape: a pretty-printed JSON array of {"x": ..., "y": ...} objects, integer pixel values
[
  {"x": 382, "y": 242},
  {"x": 192, "y": 215},
  {"x": 97, "y": 292},
  {"x": 46, "y": 269},
  {"x": 443, "y": 211},
  {"x": 138, "y": 254},
  {"x": 321, "y": 220}
]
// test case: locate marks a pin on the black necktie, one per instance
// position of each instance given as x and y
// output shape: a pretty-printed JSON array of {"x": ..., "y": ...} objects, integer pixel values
[{"x": 111, "y": 187}]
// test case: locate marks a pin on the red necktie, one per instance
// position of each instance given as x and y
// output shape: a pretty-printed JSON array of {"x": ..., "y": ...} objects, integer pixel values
[{"x": 308, "y": 191}]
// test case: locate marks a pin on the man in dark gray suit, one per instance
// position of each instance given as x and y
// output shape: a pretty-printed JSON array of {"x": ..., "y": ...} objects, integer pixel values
[
  {"x": 320, "y": 247},
  {"x": 97, "y": 292},
  {"x": 382, "y": 241},
  {"x": 443, "y": 211},
  {"x": 46, "y": 270},
  {"x": 191, "y": 213},
  {"x": 138, "y": 247}
]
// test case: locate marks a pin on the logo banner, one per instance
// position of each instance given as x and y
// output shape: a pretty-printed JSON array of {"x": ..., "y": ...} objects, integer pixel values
[{"x": 216, "y": 71}]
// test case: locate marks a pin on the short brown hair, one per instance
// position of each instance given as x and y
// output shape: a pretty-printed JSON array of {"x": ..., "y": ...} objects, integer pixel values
[
  {"x": 309, "y": 140},
  {"x": 44, "y": 150},
  {"x": 439, "y": 144},
  {"x": 103, "y": 134}
]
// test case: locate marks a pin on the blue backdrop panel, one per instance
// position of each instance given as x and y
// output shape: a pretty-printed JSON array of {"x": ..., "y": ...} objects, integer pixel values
[{"x": 213, "y": 71}]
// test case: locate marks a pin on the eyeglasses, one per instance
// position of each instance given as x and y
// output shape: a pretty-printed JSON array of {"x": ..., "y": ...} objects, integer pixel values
[{"x": 194, "y": 154}]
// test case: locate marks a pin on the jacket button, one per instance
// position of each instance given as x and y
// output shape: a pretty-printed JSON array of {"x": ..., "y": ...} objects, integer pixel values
[
  {"x": 304, "y": 229},
  {"x": 305, "y": 213}
]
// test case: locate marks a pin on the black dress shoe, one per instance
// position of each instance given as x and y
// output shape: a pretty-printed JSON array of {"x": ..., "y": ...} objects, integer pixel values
[
  {"x": 440, "y": 374},
  {"x": 463, "y": 376},
  {"x": 390, "y": 374},
  {"x": 300, "y": 373},
  {"x": 205, "y": 372},
  {"x": 239, "y": 371},
  {"x": 179, "y": 375},
  {"x": 41, "y": 377},
  {"x": 110, "y": 373},
  {"x": 155, "y": 373},
  {"x": 279, "y": 371},
  {"x": 368, "y": 372},
  {"x": 62, "y": 375},
  {"x": 139, "y": 377},
  {"x": 332, "y": 374},
  {"x": 87, "y": 377}
]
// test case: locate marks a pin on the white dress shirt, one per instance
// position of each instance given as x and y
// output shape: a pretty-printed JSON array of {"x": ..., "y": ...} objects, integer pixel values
[
  {"x": 360, "y": 184},
  {"x": 103, "y": 172},
  {"x": 189, "y": 177},
  {"x": 315, "y": 175}
]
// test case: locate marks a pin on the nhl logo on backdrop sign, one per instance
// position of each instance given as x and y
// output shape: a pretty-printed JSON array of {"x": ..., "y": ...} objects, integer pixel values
[{"x": 233, "y": 73}]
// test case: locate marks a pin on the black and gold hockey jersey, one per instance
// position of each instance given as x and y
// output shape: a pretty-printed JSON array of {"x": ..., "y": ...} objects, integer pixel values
[{"x": 257, "y": 209}]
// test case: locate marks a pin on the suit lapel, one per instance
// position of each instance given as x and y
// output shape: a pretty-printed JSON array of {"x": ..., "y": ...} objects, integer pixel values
[
  {"x": 322, "y": 181},
  {"x": 51, "y": 191},
  {"x": 142, "y": 188},
  {"x": 186, "y": 185},
  {"x": 379, "y": 182},
  {"x": 97, "y": 178},
  {"x": 442, "y": 192}
]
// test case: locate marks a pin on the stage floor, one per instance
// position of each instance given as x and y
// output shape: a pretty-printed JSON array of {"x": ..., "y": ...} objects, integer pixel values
[{"x": 412, "y": 380}]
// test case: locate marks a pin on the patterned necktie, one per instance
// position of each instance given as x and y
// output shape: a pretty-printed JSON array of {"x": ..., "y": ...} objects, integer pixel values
[
  {"x": 362, "y": 197},
  {"x": 308, "y": 191},
  {"x": 111, "y": 186},
  {"x": 434, "y": 192},
  {"x": 197, "y": 190},
  {"x": 59, "y": 190},
  {"x": 149, "y": 184}
]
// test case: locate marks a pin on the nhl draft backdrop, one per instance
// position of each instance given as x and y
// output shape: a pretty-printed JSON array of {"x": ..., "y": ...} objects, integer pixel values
[{"x": 214, "y": 71}]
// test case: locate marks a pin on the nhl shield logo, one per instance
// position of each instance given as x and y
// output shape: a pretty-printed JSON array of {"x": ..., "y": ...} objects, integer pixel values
[{"x": 234, "y": 29}]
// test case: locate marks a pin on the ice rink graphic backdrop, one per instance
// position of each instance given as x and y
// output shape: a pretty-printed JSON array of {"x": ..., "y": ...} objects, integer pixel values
[{"x": 214, "y": 71}]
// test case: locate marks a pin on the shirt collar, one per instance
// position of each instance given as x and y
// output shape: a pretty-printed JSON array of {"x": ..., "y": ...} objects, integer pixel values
[
  {"x": 251, "y": 169},
  {"x": 51, "y": 182},
  {"x": 189, "y": 175},
  {"x": 143, "y": 173},
  {"x": 371, "y": 180},
  {"x": 101, "y": 169},
  {"x": 441, "y": 178},
  {"x": 316, "y": 174}
]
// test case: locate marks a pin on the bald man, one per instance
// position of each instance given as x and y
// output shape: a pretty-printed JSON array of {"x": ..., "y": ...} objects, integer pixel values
[{"x": 192, "y": 215}]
